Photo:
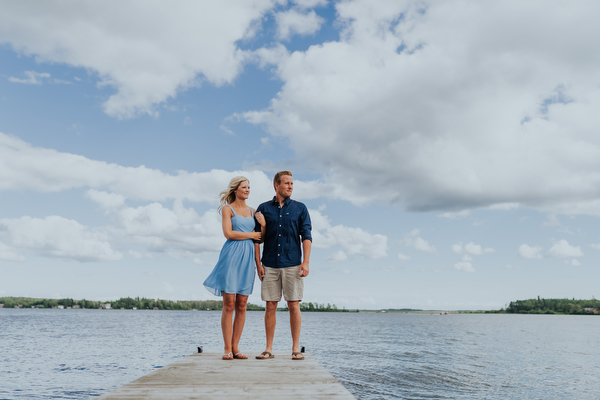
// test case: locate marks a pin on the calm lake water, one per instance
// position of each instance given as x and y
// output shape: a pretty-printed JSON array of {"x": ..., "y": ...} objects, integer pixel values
[{"x": 79, "y": 354}]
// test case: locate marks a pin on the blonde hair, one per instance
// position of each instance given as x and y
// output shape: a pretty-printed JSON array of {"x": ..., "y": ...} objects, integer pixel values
[{"x": 227, "y": 196}]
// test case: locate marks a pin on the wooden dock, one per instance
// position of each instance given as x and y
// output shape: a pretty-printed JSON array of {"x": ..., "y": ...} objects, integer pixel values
[{"x": 207, "y": 376}]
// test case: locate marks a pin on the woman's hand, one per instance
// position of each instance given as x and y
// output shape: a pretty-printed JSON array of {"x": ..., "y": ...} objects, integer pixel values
[
  {"x": 260, "y": 218},
  {"x": 256, "y": 236}
]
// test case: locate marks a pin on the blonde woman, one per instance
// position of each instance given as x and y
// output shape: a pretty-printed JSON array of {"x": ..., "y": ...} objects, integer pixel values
[{"x": 233, "y": 276}]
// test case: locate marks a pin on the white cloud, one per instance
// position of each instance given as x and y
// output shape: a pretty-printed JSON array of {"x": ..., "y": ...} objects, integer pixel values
[
  {"x": 575, "y": 263},
  {"x": 310, "y": 3},
  {"x": 352, "y": 241},
  {"x": 338, "y": 256},
  {"x": 435, "y": 106},
  {"x": 57, "y": 237},
  {"x": 140, "y": 256},
  {"x": 295, "y": 22},
  {"x": 403, "y": 257},
  {"x": 527, "y": 251},
  {"x": 414, "y": 240},
  {"x": 8, "y": 253},
  {"x": 456, "y": 215},
  {"x": 147, "y": 52},
  {"x": 31, "y": 78},
  {"x": 160, "y": 228},
  {"x": 25, "y": 167},
  {"x": 595, "y": 246},
  {"x": 464, "y": 266},
  {"x": 562, "y": 249},
  {"x": 471, "y": 248}
]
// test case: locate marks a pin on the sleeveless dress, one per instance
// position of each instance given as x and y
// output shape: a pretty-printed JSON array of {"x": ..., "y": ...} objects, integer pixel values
[{"x": 235, "y": 270}]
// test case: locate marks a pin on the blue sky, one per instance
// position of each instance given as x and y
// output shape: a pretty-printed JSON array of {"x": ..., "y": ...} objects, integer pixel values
[{"x": 448, "y": 151}]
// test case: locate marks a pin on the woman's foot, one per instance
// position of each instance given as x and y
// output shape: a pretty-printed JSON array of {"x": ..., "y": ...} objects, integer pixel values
[
  {"x": 228, "y": 356},
  {"x": 240, "y": 356}
]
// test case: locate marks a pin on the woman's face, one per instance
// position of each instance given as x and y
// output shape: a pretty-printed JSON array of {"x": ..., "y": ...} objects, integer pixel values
[{"x": 243, "y": 191}]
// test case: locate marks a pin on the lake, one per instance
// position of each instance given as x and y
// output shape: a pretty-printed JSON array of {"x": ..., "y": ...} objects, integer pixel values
[{"x": 79, "y": 354}]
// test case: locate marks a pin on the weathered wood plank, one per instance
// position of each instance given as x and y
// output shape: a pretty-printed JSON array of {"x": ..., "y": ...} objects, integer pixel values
[{"x": 206, "y": 376}]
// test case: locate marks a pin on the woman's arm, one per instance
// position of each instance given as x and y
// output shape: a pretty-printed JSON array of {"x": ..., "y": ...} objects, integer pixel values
[
  {"x": 228, "y": 231},
  {"x": 260, "y": 218}
]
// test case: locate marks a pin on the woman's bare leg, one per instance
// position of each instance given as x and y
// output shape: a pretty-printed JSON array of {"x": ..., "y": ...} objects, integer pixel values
[
  {"x": 239, "y": 321},
  {"x": 226, "y": 318}
]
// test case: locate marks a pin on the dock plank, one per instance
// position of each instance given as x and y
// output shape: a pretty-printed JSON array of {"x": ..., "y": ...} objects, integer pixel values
[{"x": 207, "y": 376}]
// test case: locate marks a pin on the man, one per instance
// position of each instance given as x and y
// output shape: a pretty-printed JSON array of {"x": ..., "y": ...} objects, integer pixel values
[{"x": 286, "y": 254}]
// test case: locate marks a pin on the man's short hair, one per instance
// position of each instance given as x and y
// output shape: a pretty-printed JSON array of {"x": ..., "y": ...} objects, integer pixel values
[{"x": 277, "y": 178}]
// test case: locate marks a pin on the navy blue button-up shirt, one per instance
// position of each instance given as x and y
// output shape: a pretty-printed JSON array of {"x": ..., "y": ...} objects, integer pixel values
[{"x": 286, "y": 228}]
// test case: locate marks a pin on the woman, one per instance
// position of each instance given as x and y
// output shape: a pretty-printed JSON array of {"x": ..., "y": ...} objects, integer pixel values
[{"x": 233, "y": 276}]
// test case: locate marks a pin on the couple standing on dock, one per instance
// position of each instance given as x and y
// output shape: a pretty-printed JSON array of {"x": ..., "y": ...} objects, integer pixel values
[{"x": 284, "y": 226}]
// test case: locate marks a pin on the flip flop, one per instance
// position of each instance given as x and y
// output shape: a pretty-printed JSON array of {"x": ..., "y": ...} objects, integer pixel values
[
  {"x": 240, "y": 356},
  {"x": 296, "y": 354},
  {"x": 227, "y": 356},
  {"x": 264, "y": 353}
]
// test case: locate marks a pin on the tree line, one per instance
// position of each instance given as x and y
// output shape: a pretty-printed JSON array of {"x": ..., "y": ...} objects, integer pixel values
[
  {"x": 554, "y": 306},
  {"x": 127, "y": 303},
  {"x": 142, "y": 303}
]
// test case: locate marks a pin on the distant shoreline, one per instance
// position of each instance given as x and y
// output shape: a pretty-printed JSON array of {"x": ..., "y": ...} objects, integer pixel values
[
  {"x": 137, "y": 303},
  {"x": 531, "y": 306}
]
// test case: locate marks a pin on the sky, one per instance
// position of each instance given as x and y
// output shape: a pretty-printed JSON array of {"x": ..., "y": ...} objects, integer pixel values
[{"x": 448, "y": 152}]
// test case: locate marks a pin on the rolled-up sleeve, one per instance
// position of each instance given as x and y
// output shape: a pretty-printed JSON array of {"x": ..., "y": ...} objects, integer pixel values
[{"x": 305, "y": 225}]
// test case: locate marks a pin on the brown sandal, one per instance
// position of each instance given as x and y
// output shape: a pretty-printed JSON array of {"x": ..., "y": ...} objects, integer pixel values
[
  {"x": 263, "y": 354},
  {"x": 295, "y": 355}
]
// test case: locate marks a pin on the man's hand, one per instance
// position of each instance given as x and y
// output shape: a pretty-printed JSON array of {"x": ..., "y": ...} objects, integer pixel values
[
  {"x": 261, "y": 272},
  {"x": 304, "y": 269}
]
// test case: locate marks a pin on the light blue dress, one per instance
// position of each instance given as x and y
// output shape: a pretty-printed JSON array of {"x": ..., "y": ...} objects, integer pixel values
[{"x": 234, "y": 272}]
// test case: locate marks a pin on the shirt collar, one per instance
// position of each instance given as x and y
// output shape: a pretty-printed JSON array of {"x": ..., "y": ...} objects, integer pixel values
[{"x": 285, "y": 202}]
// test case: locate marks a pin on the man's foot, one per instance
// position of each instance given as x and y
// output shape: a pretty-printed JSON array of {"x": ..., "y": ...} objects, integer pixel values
[
  {"x": 265, "y": 355},
  {"x": 296, "y": 355},
  {"x": 227, "y": 356},
  {"x": 240, "y": 356}
]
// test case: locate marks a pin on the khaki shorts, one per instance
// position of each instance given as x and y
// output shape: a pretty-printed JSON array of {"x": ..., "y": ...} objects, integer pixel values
[{"x": 286, "y": 280}]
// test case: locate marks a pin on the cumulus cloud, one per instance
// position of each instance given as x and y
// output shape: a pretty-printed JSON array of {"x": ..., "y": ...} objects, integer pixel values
[
  {"x": 295, "y": 22},
  {"x": 146, "y": 51},
  {"x": 338, "y": 256},
  {"x": 527, "y": 251},
  {"x": 352, "y": 241},
  {"x": 414, "y": 240},
  {"x": 8, "y": 253},
  {"x": 159, "y": 228},
  {"x": 403, "y": 257},
  {"x": 562, "y": 249},
  {"x": 31, "y": 78},
  {"x": 465, "y": 266},
  {"x": 25, "y": 167},
  {"x": 309, "y": 3},
  {"x": 575, "y": 263},
  {"x": 471, "y": 248},
  {"x": 56, "y": 237},
  {"x": 436, "y": 106}
]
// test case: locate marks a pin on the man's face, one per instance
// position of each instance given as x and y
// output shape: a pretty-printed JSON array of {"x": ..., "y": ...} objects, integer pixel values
[{"x": 285, "y": 187}]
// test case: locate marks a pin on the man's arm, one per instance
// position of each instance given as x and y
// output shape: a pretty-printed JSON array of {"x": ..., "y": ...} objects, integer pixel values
[
  {"x": 306, "y": 246},
  {"x": 260, "y": 270}
]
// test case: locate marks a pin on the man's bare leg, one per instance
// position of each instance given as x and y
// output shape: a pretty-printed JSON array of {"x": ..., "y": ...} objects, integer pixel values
[
  {"x": 295, "y": 325},
  {"x": 270, "y": 321}
]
